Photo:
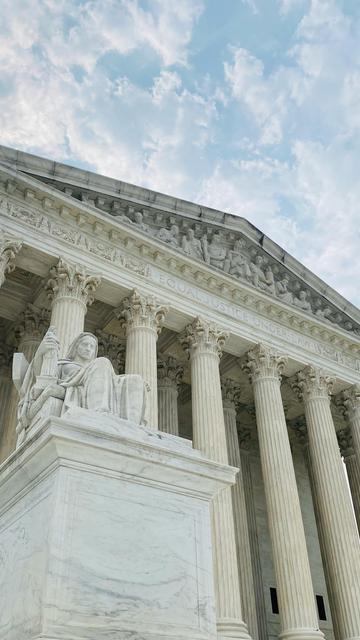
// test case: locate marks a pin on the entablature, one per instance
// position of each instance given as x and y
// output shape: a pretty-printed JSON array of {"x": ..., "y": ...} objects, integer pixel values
[{"x": 127, "y": 256}]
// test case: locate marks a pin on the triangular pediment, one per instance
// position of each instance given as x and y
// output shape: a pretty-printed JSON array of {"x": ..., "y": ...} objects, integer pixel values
[{"x": 225, "y": 243}]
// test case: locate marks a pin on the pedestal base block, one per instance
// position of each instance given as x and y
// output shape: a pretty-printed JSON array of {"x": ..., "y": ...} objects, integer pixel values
[{"x": 105, "y": 534}]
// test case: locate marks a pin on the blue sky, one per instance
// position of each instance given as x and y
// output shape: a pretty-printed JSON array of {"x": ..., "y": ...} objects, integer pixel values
[{"x": 249, "y": 106}]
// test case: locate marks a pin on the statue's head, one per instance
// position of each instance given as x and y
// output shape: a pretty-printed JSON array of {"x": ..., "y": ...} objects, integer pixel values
[{"x": 83, "y": 347}]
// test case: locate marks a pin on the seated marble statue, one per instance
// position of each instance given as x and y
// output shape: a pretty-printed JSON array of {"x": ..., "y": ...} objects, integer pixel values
[{"x": 83, "y": 379}]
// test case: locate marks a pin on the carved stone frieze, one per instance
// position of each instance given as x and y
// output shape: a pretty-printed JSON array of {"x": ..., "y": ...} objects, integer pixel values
[
  {"x": 9, "y": 247},
  {"x": 224, "y": 250}
]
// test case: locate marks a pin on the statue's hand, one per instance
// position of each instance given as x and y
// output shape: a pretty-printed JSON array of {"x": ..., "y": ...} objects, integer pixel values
[{"x": 48, "y": 343}]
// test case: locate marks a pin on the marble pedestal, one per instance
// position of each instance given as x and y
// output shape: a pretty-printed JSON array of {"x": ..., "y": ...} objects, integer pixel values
[{"x": 105, "y": 534}]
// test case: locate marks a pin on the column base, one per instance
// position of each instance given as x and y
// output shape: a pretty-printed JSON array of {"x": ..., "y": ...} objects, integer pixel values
[
  {"x": 231, "y": 629},
  {"x": 301, "y": 634}
]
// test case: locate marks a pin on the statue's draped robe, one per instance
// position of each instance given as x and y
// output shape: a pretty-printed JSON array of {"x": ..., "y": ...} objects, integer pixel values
[{"x": 92, "y": 386}]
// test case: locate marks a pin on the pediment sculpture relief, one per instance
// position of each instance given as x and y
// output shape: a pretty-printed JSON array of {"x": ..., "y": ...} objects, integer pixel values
[
  {"x": 81, "y": 380},
  {"x": 239, "y": 259}
]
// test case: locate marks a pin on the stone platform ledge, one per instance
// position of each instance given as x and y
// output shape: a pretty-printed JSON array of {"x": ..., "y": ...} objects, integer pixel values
[{"x": 105, "y": 534}]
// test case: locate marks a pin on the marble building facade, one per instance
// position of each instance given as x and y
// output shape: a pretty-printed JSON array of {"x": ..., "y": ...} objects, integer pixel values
[{"x": 243, "y": 351}]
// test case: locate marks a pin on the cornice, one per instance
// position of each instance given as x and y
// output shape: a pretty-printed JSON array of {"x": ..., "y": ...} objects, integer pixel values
[{"x": 80, "y": 225}]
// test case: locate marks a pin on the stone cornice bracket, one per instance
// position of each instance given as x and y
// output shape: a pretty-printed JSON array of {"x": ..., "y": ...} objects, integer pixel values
[
  {"x": 170, "y": 371},
  {"x": 351, "y": 401},
  {"x": 9, "y": 247},
  {"x": 230, "y": 392},
  {"x": 264, "y": 363},
  {"x": 313, "y": 383},
  {"x": 202, "y": 336},
  {"x": 139, "y": 310},
  {"x": 32, "y": 322},
  {"x": 345, "y": 442},
  {"x": 73, "y": 282}
]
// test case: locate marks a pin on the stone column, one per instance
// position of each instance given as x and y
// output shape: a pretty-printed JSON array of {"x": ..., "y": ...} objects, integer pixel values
[
  {"x": 70, "y": 289},
  {"x": 112, "y": 347},
  {"x": 143, "y": 317},
  {"x": 298, "y": 614},
  {"x": 204, "y": 341},
  {"x": 9, "y": 247},
  {"x": 352, "y": 406},
  {"x": 5, "y": 393},
  {"x": 230, "y": 395},
  {"x": 245, "y": 444},
  {"x": 170, "y": 373},
  {"x": 352, "y": 469},
  {"x": 340, "y": 536},
  {"x": 28, "y": 333}
]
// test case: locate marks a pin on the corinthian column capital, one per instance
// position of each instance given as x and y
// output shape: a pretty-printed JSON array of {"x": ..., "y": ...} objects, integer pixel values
[
  {"x": 112, "y": 347},
  {"x": 71, "y": 281},
  {"x": 202, "y": 336},
  {"x": 230, "y": 392},
  {"x": 32, "y": 323},
  {"x": 345, "y": 442},
  {"x": 264, "y": 363},
  {"x": 170, "y": 371},
  {"x": 351, "y": 401},
  {"x": 139, "y": 310},
  {"x": 313, "y": 383},
  {"x": 9, "y": 247}
]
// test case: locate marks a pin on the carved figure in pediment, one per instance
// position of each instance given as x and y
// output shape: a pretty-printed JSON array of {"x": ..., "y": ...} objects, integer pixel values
[
  {"x": 237, "y": 262},
  {"x": 282, "y": 290},
  {"x": 171, "y": 236},
  {"x": 214, "y": 251},
  {"x": 257, "y": 272},
  {"x": 269, "y": 284},
  {"x": 302, "y": 301},
  {"x": 81, "y": 380},
  {"x": 324, "y": 314},
  {"x": 139, "y": 221},
  {"x": 191, "y": 245}
]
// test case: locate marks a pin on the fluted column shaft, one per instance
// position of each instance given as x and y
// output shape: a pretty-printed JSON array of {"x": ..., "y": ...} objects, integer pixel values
[
  {"x": 340, "y": 536},
  {"x": 70, "y": 289},
  {"x": 28, "y": 333},
  {"x": 345, "y": 440},
  {"x": 168, "y": 410},
  {"x": 247, "y": 589},
  {"x": 352, "y": 405},
  {"x": 169, "y": 375},
  {"x": 143, "y": 317},
  {"x": 204, "y": 342},
  {"x": 254, "y": 542},
  {"x": 5, "y": 395},
  {"x": 353, "y": 472},
  {"x": 298, "y": 612}
]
